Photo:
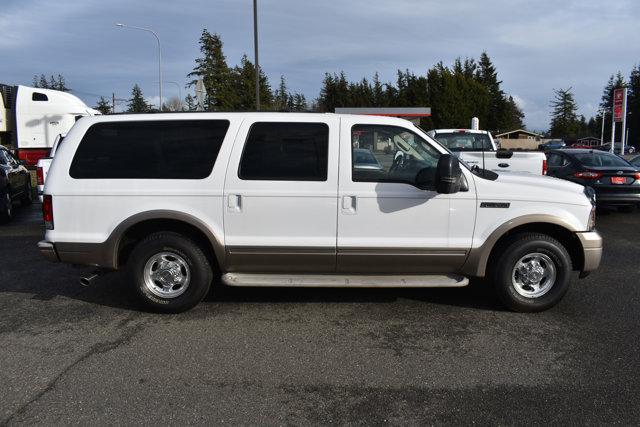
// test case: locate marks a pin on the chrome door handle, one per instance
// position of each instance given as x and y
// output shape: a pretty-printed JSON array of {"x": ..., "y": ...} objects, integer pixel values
[
  {"x": 234, "y": 203},
  {"x": 349, "y": 205}
]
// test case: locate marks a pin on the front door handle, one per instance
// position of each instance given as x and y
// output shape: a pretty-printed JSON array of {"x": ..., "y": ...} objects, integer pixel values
[
  {"x": 349, "y": 205},
  {"x": 234, "y": 203}
]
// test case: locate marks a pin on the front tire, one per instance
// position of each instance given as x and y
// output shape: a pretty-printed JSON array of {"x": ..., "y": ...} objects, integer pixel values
[
  {"x": 532, "y": 272},
  {"x": 170, "y": 272}
]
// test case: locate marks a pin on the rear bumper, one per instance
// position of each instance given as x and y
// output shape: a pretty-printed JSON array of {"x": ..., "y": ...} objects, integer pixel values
[
  {"x": 614, "y": 197},
  {"x": 94, "y": 254},
  {"x": 591, "y": 242},
  {"x": 48, "y": 250}
]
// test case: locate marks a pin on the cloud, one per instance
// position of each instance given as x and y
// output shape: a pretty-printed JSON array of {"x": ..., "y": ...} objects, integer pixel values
[{"x": 536, "y": 46}]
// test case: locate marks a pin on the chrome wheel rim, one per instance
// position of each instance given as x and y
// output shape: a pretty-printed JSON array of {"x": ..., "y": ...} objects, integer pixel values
[
  {"x": 167, "y": 275},
  {"x": 533, "y": 275}
]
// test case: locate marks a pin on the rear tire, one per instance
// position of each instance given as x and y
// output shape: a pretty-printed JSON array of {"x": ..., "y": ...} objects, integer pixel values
[
  {"x": 6, "y": 213},
  {"x": 532, "y": 272},
  {"x": 170, "y": 272},
  {"x": 27, "y": 196}
]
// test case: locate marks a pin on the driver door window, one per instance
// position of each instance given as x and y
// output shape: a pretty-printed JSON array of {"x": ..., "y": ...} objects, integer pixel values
[{"x": 390, "y": 154}]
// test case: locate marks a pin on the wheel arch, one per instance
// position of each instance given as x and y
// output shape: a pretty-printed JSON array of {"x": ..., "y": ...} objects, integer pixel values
[
  {"x": 480, "y": 259},
  {"x": 133, "y": 229}
]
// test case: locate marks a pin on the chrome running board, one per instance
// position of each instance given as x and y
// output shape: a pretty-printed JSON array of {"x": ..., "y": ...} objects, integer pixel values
[{"x": 344, "y": 281}]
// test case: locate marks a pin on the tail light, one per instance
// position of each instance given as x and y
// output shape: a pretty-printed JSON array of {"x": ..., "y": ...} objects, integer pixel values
[
  {"x": 40, "y": 175},
  {"x": 592, "y": 220},
  {"x": 544, "y": 167},
  {"x": 637, "y": 176},
  {"x": 588, "y": 175},
  {"x": 47, "y": 211}
]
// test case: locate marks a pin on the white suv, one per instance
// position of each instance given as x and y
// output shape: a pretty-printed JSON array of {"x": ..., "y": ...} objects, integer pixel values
[{"x": 283, "y": 199}]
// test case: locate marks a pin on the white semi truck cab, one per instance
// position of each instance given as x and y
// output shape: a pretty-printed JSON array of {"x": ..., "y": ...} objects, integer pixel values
[{"x": 32, "y": 118}]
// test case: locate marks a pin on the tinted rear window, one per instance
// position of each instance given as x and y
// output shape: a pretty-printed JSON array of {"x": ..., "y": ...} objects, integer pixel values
[
  {"x": 464, "y": 141},
  {"x": 600, "y": 159},
  {"x": 168, "y": 149},
  {"x": 286, "y": 152}
]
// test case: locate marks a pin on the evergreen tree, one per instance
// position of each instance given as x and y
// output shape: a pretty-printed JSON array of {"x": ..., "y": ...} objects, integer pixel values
[
  {"x": 243, "y": 78},
  {"x": 137, "y": 103},
  {"x": 299, "y": 102},
  {"x": 190, "y": 103},
  {"x": 564, "y": 120},
  {"x": 378, "y": 92},
  {"x": 606, "y": 101},
  {"x": 281, "y": 96},
  {"x": 61, "y": 84},
  {"x": 633, "y": 106},
  {"x": 43, "y": 82},
  {"x": 213, "y": 69},
  {"x": 487, "y": 75},
  {"x": 104, "y": 106}
]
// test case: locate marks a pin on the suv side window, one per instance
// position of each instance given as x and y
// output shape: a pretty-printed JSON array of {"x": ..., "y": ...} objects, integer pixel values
[
  {"x": 557, "y": 160},
  {"x": 157, "y": 149},
  {"x": 390, "y": 154},
  {"x": 276, "y": 151}
]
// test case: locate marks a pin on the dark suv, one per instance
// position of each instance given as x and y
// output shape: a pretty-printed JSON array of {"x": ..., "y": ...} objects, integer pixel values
[{"x": 15, "y": 184}]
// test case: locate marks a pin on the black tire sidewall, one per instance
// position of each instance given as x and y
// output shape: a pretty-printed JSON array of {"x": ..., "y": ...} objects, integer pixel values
[
  {"x": 514, "y": 252},
  {"x": 199, "y": 268},
  {"x": 7, "y": 207},
  {"x": 27, "y": 198}
]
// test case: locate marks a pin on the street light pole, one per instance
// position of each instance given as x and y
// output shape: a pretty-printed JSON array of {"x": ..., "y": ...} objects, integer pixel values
[
  {"x": 159, "y": 53},
  {"x": 604, "y": 113},
  {"x": 255, "y": 48}
]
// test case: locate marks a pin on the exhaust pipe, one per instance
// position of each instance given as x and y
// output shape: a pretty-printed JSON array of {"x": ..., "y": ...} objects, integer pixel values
[{"x": 87, "y": 280}]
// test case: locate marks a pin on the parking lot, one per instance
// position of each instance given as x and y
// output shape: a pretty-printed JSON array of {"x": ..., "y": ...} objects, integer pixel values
[{"x": 79, "y": 355}]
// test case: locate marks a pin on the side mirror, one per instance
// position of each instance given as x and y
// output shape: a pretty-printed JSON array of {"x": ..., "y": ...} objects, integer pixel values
[
  {"x": 448, "y": 174},
  {"x": 503, "y": 153}
]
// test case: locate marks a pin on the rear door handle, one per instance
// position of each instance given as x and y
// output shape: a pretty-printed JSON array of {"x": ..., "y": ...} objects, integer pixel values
[
  {"x": 234, "y": 203},
  {"x": 349, "y": 205}
]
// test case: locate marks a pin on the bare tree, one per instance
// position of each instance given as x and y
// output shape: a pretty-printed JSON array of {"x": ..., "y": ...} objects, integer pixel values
[{"x": 174, "y": 104}]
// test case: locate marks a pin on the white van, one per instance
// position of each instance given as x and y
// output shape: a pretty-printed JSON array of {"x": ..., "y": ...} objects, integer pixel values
[{"x": 280, "y": 199}]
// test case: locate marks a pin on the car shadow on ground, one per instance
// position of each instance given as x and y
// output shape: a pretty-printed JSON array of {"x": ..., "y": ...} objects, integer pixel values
[{"x": 29, "y": 273}]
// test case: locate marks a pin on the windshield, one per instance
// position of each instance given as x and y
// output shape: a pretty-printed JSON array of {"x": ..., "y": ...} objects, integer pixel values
[
  {"x": 465, "y": 141},
  {"x": 600, "y": 159}
]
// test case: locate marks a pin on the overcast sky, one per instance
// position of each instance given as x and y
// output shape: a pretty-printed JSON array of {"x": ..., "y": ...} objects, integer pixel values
[{"x": 536, "y": 45}]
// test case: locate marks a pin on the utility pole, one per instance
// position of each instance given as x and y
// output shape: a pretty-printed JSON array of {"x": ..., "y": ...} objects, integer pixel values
[
  {"x": 113, "y": 102},
  {"x": 613, "y": 130},
  {"x": 255, "y": 48},
  {"x": 602, "y": 131}
]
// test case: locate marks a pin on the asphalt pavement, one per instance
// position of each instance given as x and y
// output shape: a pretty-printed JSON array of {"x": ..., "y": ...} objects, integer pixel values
[{"x": 75, "y": 355}]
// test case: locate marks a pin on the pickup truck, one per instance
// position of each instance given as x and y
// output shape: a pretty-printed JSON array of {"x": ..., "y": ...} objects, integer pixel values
[
  {"x": 477, "y": 148},
  {"x": 43, "y": 165},
  {"x": 290, "y": 199}
]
